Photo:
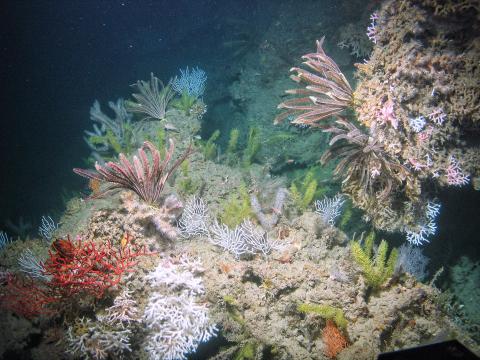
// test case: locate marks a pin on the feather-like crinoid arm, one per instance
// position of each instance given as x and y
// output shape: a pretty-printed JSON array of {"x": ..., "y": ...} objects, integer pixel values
[
  {"x": 146, "y": 177},
  {"x": 326, "y": 93}
]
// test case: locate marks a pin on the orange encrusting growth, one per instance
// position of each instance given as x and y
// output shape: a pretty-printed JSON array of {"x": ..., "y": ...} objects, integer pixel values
[{"x": 333, "y": 339}]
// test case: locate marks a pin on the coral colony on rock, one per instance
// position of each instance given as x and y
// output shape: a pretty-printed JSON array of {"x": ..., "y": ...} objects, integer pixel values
[{"x": 189, "y": 249}]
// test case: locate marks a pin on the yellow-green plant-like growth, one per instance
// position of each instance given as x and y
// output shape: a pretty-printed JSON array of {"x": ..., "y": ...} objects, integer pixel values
[
  {"x": 186, "y": 185},
  {"x": 376, "y": 268},
  {"x": 236, "y": 208},
  {"x": 304, "y": 194},
  {"x": 232, "y": 310},
  {"x": 253, "y": 146},
  {"x": 161, "y": 140},
  {"x": 233, "y": 146},
  {"x": 327, "y": 312},
  {"x": 124, "y": 146},
  {"x": 185, "y": 102},
  {"x": 346, "y": 216},
  {"x": 210, "y": 148},
  {"x": 246, "y": 352}
]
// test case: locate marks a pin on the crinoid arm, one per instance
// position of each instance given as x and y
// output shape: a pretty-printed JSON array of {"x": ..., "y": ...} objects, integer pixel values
[
  {"x": 326, "y": 92},
  {"x": 143, "y": 176}
]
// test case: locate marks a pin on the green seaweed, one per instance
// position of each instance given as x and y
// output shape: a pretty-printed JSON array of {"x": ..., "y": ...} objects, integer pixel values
[
  {"x": 376, "y": 268},
  {"x": 210, "y": 148},
  {"x": 184, "y": 103},
  {"x": 232, "y": 146},
  {"x": 281, "y": 137},
  {"x": 161, "y": 140},
  {"x": 124, "y": 146},
  {"x": 232, "y": 310},
  {"x": 246, "y": 352},
  {"x": 327, "y": 312},
  {"x": 346, "y": 216},
  {"x": 186, "y": 185},
  {"x": 253, "y": 146},
  {"x": 304, "y": 193},
  {"x": 236, "y": 208}
]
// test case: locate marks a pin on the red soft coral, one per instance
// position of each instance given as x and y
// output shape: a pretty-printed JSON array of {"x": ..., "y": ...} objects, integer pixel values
[{"x": 74, "y": 268}]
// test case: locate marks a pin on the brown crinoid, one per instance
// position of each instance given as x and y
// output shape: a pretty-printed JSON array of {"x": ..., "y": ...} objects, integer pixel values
[
  {"x": 327, "y": 91},
  {"x": 366, "y": 165}
]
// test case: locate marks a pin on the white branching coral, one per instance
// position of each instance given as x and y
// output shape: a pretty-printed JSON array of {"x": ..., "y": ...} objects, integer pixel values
[
  {"x": 31, "y": 265},
  {"x": 94, "y": 340},
  {"x": 411, "y": 260},
  {"x": 417, "y": 124},
  {"x": 4, "y": 239},
  {"x": 329, "y": 208},
  {"x": 176, "y": 319},
  {"x": 244, "y": 239},
  {"x": 178, "y": 324},
  {"x": 420, "y": 235},
  {"x": 193, "y": 221},
  {"x": 123, "y": 312},
  {"x": 179, "y": 274},
  {"x": 47, "y": 228},
  {"x": 455, "y": 174},
  {"x": 258, "y": 241},
  {"x": 231, "y": 240}
]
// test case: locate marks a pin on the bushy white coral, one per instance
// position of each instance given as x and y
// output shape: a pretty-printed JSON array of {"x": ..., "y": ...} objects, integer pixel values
[
  {"x": 329, "y": 208},
  {"x": 420, "y": 235},
  {"x": 123, "y": 312},
  {"x": 91, "y": 340},
  {"x": 244, "y": 239},
  {"x": 177, "y": 320},
  {"x": 181, "y": 276},
  {"x": 31, "y": 265},
  {"x": 178, "y": 324},
  {"x": 411, "y": 260},
  {"x": 193, "y": 221}
]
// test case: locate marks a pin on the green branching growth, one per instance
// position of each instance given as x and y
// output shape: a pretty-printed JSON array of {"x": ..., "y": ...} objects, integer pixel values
[
  {"x": 232, "y": 147},
  {"x": 376, "y": 268},
  {"x": 304, "y": 193},
  {"x": 236, "y": 208},
  {"x": 253, "y": 146},
  {"x": 125, "y": 145},
  {"x": 184, "y": 103},
  {"x": 280, "y": 138},
  {"x": 346, "y": 216},
  {"x": 161, "y": 140},
  {"x": 246, "y": 352},
  {"x": 210, "y": 148},
  {"x": 186, "y": 185},
  {"x": 232, "y": 310},
  {"x": 327, "y": 312}
]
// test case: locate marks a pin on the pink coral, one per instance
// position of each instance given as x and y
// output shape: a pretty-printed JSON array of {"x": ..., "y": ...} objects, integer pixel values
[
  {"x": 455, "y": 174},
  {"x": 387, "y": 114}
]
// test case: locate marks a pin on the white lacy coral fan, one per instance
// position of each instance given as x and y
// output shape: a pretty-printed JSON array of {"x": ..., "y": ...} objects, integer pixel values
[{"x": 177, "y": 321}]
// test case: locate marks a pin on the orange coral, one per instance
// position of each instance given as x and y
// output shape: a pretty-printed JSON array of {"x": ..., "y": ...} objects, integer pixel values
[
  {"x": 333, "y": 339},
  {"x": 94, "y": 186}
]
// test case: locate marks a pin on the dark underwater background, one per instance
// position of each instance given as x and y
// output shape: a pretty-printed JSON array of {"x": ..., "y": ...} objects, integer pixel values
[{"x": 57, "y": 57}]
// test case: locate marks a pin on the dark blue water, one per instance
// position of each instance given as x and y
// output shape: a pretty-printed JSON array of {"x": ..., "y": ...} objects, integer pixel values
[{"x": 57, "y": 57}]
